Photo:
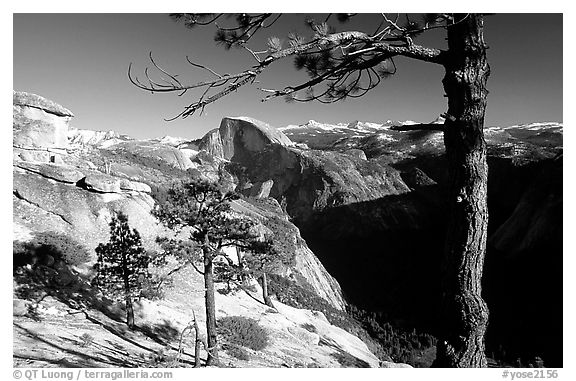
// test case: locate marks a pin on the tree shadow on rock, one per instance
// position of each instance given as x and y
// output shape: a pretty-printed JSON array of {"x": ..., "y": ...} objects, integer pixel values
[
  {"x": 74, "y": 358},
  {"x": 43, "y": 267}
]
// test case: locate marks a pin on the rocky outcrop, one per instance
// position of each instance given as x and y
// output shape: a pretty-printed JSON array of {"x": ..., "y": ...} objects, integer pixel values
[
  {"x": 63, "y": 173},
  {"x": 240, "y": 137},
  {"x": 136, "y": 186},
  {"x": 42, "y": 204},
  {"x": 40, "y": 128},
  {"x": 28, "y": 100},
  {"x": 100, "y": 182}
]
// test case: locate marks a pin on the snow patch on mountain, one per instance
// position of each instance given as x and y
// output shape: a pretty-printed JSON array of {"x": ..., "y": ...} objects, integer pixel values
[
  {"x": 170, "y": 140},
  {"x": 103, "y": 139}
]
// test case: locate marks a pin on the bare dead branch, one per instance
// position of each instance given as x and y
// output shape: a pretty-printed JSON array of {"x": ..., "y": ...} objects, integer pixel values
[
  {"x": 172, "y": 77},
  {"x": 372, "y": 51},
  {"x": 203, "y": 67}
]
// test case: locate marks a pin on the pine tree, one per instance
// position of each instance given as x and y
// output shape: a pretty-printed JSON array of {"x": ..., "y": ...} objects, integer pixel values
[
  {"x": 122, "y": 265},
  {"x": 349, "y": 64},
  {"x": 261, "y": 259},
  {"x": 276, "y": 252},
  {"x": 202, "y": 210}
]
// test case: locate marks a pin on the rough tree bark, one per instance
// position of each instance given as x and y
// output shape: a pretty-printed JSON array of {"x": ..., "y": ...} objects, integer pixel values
[
  {"x": 127, "y": 297},
  {"x": 464, "y": 312},
  {"x": 265, "y": 295},
  {"x": 210, "y": 307}
]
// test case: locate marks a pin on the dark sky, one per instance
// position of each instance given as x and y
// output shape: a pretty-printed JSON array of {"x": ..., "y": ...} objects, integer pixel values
[{"x": 81, "y": 62}]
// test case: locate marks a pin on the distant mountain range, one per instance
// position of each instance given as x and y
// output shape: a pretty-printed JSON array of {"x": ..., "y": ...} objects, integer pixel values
[
  {"x": 356, "y": 134},
  {"x": 378, "y": 139}
]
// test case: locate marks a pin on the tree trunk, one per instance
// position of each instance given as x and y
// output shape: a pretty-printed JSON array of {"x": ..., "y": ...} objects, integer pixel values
[
  {"x": 127, "y": 297},
  {"x": 265, "y": 295},
  {"x": 129, "y": 313},
  {"x": 197, "y": 343},
  {"x": 210, "y": 309},
  {"x": 464, "y": 312}
]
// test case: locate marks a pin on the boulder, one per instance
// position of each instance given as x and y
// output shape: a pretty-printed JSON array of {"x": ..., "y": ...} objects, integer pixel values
[
  {"x": 62, "y": 173},
  {"x": 21, "y": 98},
  {"x": 134, "y": 186},
  {"x": 39, "y": 122},
  {"x": 101, "y": 182}
]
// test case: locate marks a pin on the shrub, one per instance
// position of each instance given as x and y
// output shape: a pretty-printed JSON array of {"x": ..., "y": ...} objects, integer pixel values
[
  {"x": 239, "y": 330},
  {"x": 160, "y": 358},
  {"x": 153, "y": 287},
  {"x": 86, "y": 340}
]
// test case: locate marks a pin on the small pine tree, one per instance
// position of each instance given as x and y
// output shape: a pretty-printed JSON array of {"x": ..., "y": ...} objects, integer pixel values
[
  {"x": 202, "y": 209},
  {"x": 122, "y": 265},
  {"x": 260, "y": 259}
]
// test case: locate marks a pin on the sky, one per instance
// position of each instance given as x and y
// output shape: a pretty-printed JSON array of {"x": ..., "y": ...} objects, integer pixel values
[{"x": 81, "y": 60}]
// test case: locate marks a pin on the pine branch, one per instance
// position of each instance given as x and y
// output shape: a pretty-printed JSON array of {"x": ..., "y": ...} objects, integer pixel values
[
  {"x": 373, "y": 52},
  {"x": 419, "y": 127}
]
